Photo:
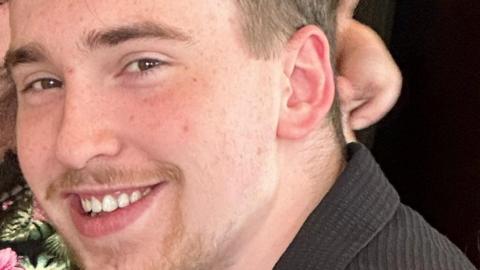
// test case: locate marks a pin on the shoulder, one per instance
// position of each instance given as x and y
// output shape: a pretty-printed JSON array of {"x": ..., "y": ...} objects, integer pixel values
[{"x": 408, "y": 242}]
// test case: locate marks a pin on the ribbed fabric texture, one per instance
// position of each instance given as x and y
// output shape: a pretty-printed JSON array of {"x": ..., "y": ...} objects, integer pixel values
[
  {"x": 361, "y": 224},
  {"x": 408, "y": 242}
]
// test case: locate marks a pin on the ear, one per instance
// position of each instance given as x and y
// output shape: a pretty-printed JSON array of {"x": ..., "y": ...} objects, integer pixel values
[
  {"x": 371, "y": 81},
  {"x": 347, "y": 105},
  {"x": 311, "y": 87}
]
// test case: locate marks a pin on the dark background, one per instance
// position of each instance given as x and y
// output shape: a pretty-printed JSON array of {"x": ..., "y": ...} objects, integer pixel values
[{"x": 429, "y": 144}]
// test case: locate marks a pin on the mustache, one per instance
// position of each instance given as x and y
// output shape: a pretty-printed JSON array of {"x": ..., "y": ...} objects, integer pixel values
[{"x": 110, "y": 176}]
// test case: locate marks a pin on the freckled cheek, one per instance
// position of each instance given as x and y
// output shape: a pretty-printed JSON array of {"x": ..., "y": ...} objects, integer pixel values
[
  {"x": 168, "y": 117},
  {"x": 31, "y": 161},
  {"x": 35, "y": 142}
]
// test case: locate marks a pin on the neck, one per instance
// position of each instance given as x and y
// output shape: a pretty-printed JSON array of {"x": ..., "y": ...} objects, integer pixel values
[{"x": 299, "y": 193}]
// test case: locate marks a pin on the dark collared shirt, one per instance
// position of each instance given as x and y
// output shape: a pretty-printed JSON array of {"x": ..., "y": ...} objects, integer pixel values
[{"x": 361, "y": 224}]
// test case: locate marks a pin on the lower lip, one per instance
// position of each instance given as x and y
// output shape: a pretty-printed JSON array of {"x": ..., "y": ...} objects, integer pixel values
[{"x": 109, "y": 223}]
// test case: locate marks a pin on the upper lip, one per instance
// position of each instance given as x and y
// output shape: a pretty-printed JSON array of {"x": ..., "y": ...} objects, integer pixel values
[{"x": 101, "y": 190}]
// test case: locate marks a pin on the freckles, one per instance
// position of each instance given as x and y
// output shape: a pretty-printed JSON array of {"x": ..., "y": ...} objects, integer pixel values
[
  {"x": 186, "y": 128},
  {"x": 45, "y": 148},
  {"x": 150, "y": 102},
  {"x": 70, "y": 5}
]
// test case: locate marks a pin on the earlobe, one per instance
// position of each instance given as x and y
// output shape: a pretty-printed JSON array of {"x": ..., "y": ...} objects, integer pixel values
[{"x": 311, "y": 84}]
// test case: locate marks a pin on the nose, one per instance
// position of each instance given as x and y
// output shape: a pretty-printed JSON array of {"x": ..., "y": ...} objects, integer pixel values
[{"x": 85, "y": 131}]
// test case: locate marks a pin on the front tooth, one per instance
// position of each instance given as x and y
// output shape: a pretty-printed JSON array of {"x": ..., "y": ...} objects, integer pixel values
[
  {"x": 123, "y": 200},
  {"x": 135, "y": 196},
  {"x": 96, "y": 205},
  {"x": 109, "y": 204},
  {"x": 87, "y": 205}
]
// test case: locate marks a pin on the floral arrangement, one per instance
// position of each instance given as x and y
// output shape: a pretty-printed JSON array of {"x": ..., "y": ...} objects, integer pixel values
[
  {"x": 27, "y": 240},
  {"x": 8, "y": 260}
]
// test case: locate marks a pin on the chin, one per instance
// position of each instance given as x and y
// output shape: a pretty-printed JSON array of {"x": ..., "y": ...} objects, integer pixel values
[{"x": 135, "y": 250}]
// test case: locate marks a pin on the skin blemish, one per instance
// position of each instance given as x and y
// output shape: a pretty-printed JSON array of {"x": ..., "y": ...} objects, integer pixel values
[
  {"x": 147, "y": 101},
  {"x": 185, "y": 128}
]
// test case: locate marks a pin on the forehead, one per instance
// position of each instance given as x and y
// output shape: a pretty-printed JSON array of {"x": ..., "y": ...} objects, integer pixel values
[{"x": 41, "y": 19}]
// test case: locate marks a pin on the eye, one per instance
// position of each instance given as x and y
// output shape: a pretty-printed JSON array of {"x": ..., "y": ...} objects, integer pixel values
[
  {"x": 43, "y": 84},
  {"x": 143, "y": 65}
]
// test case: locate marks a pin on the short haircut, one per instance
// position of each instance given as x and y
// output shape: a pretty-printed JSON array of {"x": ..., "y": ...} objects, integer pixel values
[{"x": 269, "y": 24}]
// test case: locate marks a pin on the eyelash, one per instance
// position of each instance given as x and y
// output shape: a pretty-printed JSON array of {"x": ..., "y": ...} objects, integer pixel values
[
  {"x": 29, "y": 86},
  {"x": 137, "y": 74},
  {"x": 142, "y": 73}
]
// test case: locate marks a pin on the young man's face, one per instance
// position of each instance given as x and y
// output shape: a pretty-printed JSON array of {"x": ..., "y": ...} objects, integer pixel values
[{"x": 118, "y": 99}]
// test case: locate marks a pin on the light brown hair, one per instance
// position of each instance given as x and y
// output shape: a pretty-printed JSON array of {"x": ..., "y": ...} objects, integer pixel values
[{"x": 268, "y": 25}]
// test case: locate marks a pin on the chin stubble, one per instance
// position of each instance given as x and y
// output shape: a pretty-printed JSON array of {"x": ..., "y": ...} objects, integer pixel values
[{"x": 176, "y": 250}]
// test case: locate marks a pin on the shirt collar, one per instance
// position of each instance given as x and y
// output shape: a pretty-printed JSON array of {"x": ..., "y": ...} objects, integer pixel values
[{"x": 357, "y": 207}]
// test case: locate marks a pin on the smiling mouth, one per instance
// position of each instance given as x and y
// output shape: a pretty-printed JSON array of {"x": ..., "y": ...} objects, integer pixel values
[
  {"x": 95, "y": 205},
  {"x": 98, "y": 214}
]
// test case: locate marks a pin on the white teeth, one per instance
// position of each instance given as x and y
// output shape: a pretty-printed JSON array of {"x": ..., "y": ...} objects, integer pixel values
[
  {"x": 135, "y": 196},
  {"x": 96, "y": 205},
  {"x": 109, "y": 204},
  {"x": 86, "y": 205},
  {"x": 123, "y": 200}
]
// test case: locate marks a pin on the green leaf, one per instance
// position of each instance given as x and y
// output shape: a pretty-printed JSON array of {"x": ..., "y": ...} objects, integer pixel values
[
  {"x": 55, "y": 246},
  {"x": 44, "y": 262}
]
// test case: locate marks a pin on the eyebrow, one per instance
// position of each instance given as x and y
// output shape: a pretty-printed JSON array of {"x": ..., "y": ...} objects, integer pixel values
[
  {"x": 33, "y": 52},
  {"x": 115, "y": 36},
  {"x": 30, "y": 53}
]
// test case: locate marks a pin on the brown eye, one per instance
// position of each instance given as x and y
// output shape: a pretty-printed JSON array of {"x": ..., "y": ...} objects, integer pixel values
[
  {"x": 143, "y": 65},
  {"x": 146, "y": 64},
  {"x": 44, "y": 84}
]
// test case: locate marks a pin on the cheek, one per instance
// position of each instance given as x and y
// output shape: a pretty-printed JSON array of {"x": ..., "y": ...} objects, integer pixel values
[
  {"x": 35, "y": 139},
  {"x": 159, "y": 120},
  {"x": 172, "y": 118}
]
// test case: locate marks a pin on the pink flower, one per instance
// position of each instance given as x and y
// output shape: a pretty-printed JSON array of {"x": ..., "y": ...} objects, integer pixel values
[
  {"x": 8, "y": 260},
  {"x": 6, "y": 205}
]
